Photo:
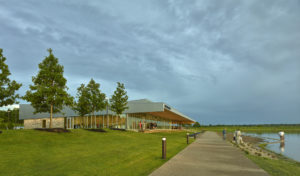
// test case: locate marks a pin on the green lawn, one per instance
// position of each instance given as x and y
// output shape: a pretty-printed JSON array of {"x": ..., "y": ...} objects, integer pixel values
[
  {"x": 81, "y": 152},
  {"x": 281, "y": 167}
]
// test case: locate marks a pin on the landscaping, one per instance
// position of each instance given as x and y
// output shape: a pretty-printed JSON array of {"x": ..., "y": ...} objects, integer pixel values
[
  {"x": 82, "y": 152},
  {"x": 55, "y": 130}
]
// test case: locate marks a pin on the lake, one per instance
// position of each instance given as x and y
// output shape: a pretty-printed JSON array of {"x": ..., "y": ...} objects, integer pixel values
[{"x": 290, "y": 148}]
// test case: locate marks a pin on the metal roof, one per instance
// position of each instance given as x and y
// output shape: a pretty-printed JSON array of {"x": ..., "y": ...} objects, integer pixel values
[{"x": 135, "y": 106}]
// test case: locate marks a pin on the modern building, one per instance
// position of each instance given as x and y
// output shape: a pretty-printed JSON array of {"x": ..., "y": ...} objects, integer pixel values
[{"x": 141, "y": 114}]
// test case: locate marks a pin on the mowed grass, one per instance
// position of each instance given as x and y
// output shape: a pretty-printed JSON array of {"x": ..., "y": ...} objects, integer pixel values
[
  {"x": 82, "y": 152},
  {"x": 281, "y": 167}
]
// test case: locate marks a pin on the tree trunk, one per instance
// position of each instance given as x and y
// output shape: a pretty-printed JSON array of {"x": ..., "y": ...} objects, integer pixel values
[
  {"x": 117, "y": 121},
  {"x": 102, "y": 121},
  {"x": 107, "y": 126},
  {"x": 95, "y": 120},
  {"x": 51, "y": 112}
]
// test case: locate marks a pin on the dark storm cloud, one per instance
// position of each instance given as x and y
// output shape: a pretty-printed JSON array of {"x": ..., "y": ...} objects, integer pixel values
[{"x": 216, "y": 61}]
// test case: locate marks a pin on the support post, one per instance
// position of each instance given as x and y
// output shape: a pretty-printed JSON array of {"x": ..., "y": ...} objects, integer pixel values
[
  {"x": 102, "y": 121},
  {"x": 107, "y": 121},
  {"x": 126, "y": 121},
  {"x": 86, "y": 121},
  {"x": 164, "y": 148},
  {"x": 195, "y": 136}
]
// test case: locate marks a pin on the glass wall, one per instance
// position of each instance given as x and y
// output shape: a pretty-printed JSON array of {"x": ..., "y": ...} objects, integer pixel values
[
  {"x": 99, "y": 121},
  {"x": 143, "y": 121},
  {"x": 136, "y": 121}
]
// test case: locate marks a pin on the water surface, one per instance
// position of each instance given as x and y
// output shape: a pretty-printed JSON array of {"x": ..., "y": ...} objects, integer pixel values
[{"x": 290, "y": 148}]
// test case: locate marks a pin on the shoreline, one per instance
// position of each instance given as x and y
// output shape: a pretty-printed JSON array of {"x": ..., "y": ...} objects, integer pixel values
[{"x": 257, "y": 146}]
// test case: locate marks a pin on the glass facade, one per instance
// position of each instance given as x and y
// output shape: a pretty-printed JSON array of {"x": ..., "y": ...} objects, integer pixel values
[
  {"x": 135, "y": 121},
  {"x": 144, "y": 121}
]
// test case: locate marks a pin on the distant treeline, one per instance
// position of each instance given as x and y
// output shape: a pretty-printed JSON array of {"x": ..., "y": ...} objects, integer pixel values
[
  {"x": 10, "y": 118},
  {"x": 258, "y": 128}
]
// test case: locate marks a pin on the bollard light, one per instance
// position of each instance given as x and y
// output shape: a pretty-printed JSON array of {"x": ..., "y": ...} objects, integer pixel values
[
  {"x": 281, "y": 135},
  {"x": 187, "y": 138},
  {"x": 164, "y": 148}
]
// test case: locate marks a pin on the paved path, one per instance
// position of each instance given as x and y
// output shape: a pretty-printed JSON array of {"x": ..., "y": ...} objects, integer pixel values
[{"x": 209, "y": 155}]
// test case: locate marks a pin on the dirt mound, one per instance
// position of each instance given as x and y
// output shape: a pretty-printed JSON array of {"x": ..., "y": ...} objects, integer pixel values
[
  {"x": 120, "y": 129},
  {"x": 97, "y": 130},
  {"x": 162, "y": 130},
  {"x": 55, "y": 130}
]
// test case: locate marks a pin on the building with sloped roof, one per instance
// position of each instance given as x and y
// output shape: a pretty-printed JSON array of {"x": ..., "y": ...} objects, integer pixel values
[{"x": 141, "y": 115}]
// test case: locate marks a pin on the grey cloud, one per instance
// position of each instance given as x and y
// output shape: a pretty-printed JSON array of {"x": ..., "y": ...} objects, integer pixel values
[{"x": 218, "y": 62}]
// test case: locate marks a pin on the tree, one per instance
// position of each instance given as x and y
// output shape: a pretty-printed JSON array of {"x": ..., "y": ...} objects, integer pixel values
[
  {"x": 82, "y": 106},
  {"x": 197, "y": 124},
  {"x": 97, "y": 99},
  {"x": 118, "y": 102},
  {"x": 48, "y": 92},
  {"x": 8, "y": 88}
]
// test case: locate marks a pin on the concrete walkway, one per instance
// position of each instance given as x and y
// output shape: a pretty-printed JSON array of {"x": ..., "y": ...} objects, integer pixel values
[{"x": 209, "y": 155}]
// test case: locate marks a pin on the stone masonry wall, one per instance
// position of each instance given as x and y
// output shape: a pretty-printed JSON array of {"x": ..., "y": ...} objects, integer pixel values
[{"x": 38, "y": 123}]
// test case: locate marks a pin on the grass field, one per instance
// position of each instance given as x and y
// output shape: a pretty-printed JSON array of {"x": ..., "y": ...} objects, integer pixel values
[
  {"x": 82, "y": 152},
  {"x": 255, "y": 128},
  {"x": 280, "y": 167}
]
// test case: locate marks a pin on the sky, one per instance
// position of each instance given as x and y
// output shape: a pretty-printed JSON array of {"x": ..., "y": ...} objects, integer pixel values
[{"x": 219, "y": 62}]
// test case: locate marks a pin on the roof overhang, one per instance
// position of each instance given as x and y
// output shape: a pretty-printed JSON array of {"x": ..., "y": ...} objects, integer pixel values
[
  {"x": 170, "y": 115},
  {"x": 159, "y": 109}
]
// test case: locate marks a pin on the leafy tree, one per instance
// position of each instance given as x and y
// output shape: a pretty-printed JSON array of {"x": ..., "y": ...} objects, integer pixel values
[
  {"x": 7, "y": 87},
  {"x": 82, "y": 106},
  {"x": 48, "y": 92},
  {"x": 197, "y": 124},
  {"x": 118, "y": 102},
  {"x": 97, "y": 99}
]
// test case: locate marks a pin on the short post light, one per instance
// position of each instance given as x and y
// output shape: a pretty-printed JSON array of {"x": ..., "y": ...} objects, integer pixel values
[
  {"x": 164, "y": 148},
  {"x": 187, "y": 138},
  {"x": 195, "y": 136},
  {"x": 281, "y": 135}
]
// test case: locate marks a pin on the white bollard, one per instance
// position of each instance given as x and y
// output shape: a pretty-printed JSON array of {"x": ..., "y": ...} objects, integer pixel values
[{"x": 281, "y": 135}]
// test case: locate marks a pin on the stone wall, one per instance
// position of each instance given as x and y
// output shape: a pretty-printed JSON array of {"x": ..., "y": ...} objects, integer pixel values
[{"x": 38, "y": 123}]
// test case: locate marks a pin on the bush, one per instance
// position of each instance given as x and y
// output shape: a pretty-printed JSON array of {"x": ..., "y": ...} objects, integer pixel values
[{"x": 197, "y": 124}]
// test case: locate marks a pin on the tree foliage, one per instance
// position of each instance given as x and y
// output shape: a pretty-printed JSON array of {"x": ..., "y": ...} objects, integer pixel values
[
  {"x": 9, "y": 118},
  {"x": 197, "y": 124},
  {"x": 48, "y": 92},
  {"x": 8, "y": 88},
  {"x": 82, "y": 106},
  {"x": 118, "y": 102},
  {"x": 97, "y": 99},
  {"x": 89, "y": 99}
]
